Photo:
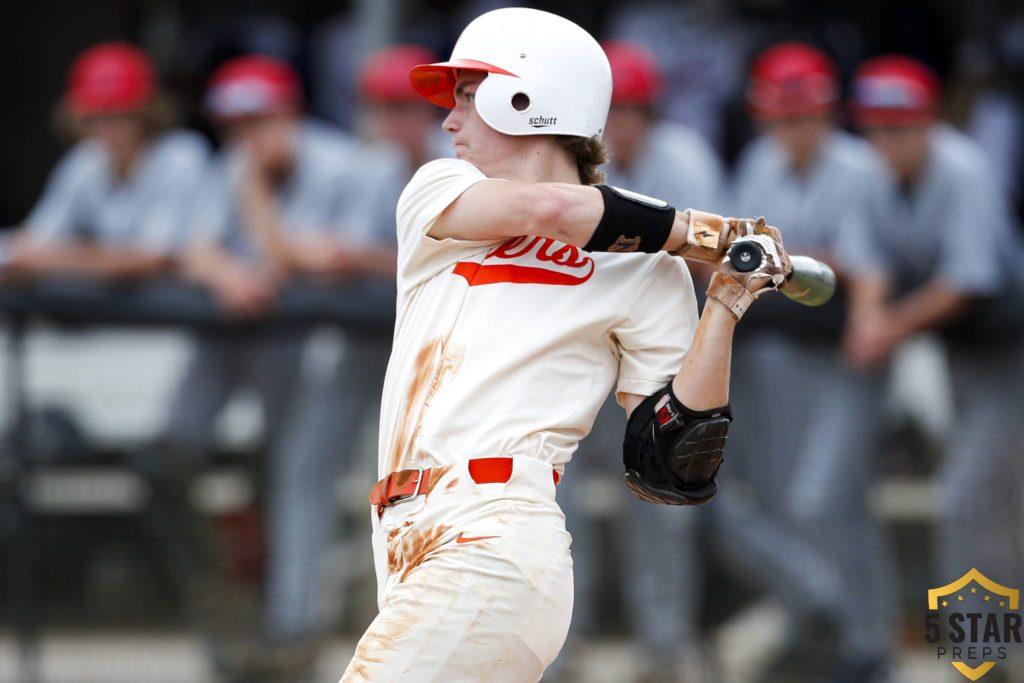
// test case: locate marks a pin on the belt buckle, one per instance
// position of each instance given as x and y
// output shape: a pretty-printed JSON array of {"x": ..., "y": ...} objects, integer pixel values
[{"x": 400, "y": 498}]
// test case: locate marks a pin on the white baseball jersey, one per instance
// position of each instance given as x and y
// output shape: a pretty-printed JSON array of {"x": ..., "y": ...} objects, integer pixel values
[
  {"x": 84, "y": 198},
  {"x": 509, "y": 348}
]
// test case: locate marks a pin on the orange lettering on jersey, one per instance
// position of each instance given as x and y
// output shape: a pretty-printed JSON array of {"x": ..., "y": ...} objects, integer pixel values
[{"x": 553, "y": 263}]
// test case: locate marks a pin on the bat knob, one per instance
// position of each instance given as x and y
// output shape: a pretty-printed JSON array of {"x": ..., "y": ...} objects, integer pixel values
[{"x": 745, "y": 256}]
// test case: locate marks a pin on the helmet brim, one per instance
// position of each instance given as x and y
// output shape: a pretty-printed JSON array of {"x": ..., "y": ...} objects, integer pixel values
[{"x": 436, "y": 82}]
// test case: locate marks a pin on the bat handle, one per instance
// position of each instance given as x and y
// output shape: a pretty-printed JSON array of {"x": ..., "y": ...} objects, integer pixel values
[
  {"x": 810, "y": 283},
  {"x": 745, "y": 256}
]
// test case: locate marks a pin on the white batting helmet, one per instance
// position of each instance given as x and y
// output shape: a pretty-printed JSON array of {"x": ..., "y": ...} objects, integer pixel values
[{"x": 545, "y": 74}]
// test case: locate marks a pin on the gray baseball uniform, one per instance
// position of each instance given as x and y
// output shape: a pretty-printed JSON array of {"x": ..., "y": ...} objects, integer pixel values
[
  {"x": 318, "y": 442},
  {"x": 85, "y": 200},
  {"x": 955, "y": 226},
  {"x": 334, "y": 189},
  {"x": 806, "y": 453}
]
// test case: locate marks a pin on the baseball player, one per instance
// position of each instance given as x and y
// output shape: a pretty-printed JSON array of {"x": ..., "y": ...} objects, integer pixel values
[
  {"x": 515, "y": 317},
  {"x": 948, "y": 260},
  {"x": 393, "y": 113},
  {"x": 113, "y": 209},
  {"x": 672, "y": 162},
  {"x": 287, "y": 197},
  {"x": 808, "y": 420}
]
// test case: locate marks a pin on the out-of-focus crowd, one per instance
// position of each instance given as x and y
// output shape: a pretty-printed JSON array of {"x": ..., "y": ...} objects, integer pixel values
[{"x": 849, "y": 154}]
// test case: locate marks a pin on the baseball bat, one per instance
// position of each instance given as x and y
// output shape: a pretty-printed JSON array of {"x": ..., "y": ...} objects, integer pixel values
[{"x": 811, "y": 282}]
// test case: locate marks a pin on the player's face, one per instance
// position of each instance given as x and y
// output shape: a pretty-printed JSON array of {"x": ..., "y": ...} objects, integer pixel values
[
  {"x": 904, "y": 146},
  {"x": 122, "y": 134},
  {"x": 268, "y": 140},
  {"x": 474, "y": 141},
  {"x": 800, "y": 136},
  {"x": 407, "y": 124},
  {"x": 626, "y": 131}
]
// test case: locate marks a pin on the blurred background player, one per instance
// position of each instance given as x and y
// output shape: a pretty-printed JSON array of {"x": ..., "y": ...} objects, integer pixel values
[
  {"x": 674, "y": 163},
  {"x": 809, "y": 422},
  {"x": 392, "y": 112},
  {"x": 286, "y": 197},
  {"x": 948, "y": 258},
  {"x": 114, "y": 208}
]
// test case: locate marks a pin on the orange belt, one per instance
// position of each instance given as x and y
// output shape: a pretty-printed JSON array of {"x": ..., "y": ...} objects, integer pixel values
[{"x": 406, "y": 484}]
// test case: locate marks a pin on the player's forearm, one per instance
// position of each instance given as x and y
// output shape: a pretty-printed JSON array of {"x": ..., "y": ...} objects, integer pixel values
[
  {"x": 204, "y": 264},
  {"x": 496, "y": 210},
  {"x": 100, "y": 263},
  {"x": 867, "y": 294},
  {"x": 262, "y": 222},
  {"x": 931, "y": 305},
  {"x": 589, "y": 217},
  {"x": 378, "y": 261},
  {"x": 703, "y": 380},
  {"x": 564, "y": 213},
  {"x": 867, "y": 290}
]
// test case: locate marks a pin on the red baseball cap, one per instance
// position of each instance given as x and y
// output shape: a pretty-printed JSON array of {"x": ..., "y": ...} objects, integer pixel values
[
  {"x": 791, "y": 79},
  {"x": 636, "y": 78},
  {"x": 894, "y": 89},
  {"x": 253, "y": 85},
  {"x": 110, "y": 78},
  {"x": 384, "y": 77}
]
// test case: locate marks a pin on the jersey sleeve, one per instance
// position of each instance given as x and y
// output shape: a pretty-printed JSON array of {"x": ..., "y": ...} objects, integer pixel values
[
  {"x": 208, "y": 221},
  {"x": 860, "y": 228},
  {"x": 338, "y": 187},
  {"x": 167, "y": 214},
  {"x": 386, "y": 177},
  {"x": 60, "y": 211},
  {"x": 365, "y": 212},
  {"x": 685, "y": 170},
  {"x": 432, "y": 189},
  {"x": 657, "y": 331},
  {"x": 975, "y": 229}
]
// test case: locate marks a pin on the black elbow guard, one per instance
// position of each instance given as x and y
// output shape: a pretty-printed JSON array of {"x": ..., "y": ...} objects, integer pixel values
[{"x": 672, "y": 453}]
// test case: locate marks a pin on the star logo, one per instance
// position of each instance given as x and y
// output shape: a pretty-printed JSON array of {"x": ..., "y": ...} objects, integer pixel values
[{"x": 978, "y": 635}]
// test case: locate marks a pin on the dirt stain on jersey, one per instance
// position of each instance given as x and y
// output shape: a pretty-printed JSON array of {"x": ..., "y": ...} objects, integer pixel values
[
  {"x": 425, "y": 371},
  {"x": 452, "y": 484},
  {"x": 428, "y": 378},
  {"x": 363, "y": 659},
  {"x": 393, "y": 545},
  {"x": 407, "y": 551},
  {"x": 375, "y": 644},
  {"x": 436, "y": 475}
]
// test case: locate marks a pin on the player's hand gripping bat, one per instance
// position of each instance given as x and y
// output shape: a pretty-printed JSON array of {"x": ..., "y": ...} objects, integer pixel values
[{"x": 810, "y": 283}]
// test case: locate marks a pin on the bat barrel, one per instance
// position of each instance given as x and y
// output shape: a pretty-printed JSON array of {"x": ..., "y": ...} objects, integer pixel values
[{"x": 812, "y": 283}]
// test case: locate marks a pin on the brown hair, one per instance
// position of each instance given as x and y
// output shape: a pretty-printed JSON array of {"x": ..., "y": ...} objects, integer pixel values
[
  {"x": 590, "y": 153},
  {"x": 158, "y": 114}
]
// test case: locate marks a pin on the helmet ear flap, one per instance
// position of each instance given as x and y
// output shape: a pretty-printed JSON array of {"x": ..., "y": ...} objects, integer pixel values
[
  {"x": 496, "y": 99},
  {"x": 514, "y": 106}
]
